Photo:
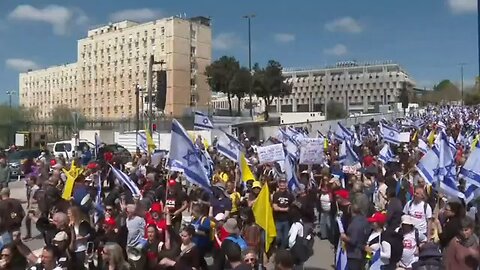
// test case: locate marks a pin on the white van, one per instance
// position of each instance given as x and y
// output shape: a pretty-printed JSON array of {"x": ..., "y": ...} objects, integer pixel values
[{"x": 66, "y": 148}]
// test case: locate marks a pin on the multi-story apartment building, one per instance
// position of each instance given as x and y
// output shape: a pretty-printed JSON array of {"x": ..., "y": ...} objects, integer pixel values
[
  {"x": 113, "y": 59},
  {"x": 359, "y": 87}
]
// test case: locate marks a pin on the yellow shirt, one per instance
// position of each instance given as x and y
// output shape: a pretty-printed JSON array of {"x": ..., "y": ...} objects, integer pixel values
[{"x": 235, "y": 198}]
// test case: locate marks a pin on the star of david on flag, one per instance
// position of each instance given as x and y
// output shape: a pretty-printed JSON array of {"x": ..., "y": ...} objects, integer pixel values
[{"x": 202, "y": 121}]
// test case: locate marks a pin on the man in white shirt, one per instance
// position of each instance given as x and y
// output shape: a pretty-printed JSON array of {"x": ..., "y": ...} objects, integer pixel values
[{"x": 421, "y": 211}]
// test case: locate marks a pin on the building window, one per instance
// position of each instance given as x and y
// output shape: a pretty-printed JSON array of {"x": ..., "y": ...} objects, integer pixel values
[
  {"x": 193, "y": 51},
  {"x": 162, "y": 47}
]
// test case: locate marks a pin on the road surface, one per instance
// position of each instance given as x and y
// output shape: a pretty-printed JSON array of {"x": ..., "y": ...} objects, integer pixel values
[{"x": 323, "y": 257}]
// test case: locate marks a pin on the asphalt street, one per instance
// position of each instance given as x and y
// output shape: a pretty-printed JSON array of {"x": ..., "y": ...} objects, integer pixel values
[{"x": 323, "y": 257}]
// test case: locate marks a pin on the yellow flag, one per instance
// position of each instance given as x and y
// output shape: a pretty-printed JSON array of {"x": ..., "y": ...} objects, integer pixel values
[
  {"x": 431, "y": 138},
  {"x": 71, "y": 174},
  {"x": 150, "y": 144},
  {"x": 475, "y": 141},
  {"x": 263, "y": 212},
  {"x": 206, "y": 144},
  {"x": 325, "y": 144},
  {"x": 414, "y": 136},
  {"x": 246, "y": 172}
]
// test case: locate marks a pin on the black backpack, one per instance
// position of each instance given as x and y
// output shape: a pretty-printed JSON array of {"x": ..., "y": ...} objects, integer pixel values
[
  {"x": 395, "y": 239},
  {"x": 303, "y": 248}
]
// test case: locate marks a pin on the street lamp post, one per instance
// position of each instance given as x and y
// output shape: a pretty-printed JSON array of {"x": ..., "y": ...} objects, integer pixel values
[
  {"x": 249, "y": 17},
  {"x": 10, "y": 94},
  {"x": 461, "y": 75}
]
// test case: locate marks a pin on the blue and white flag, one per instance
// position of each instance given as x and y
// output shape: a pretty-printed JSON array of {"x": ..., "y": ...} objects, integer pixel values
[
  {"x": 386, "y": 155},
  {"x": 471, "y": 192},
  {"x": 290, "y": 173},
  {"x": 422, "y": 146},
  {"x": 99, "y": 209},
  {"x": 207, "y": 162},
  {"x": 471, "y": 169},
  {"x": 347, "y": 156},
  {"x": 447, "y": 170},
  {"x": 342, "y": 133},
  {"x": 376, "y": 263},
  {"x": 142, "y": 142},
  {"x": 127, "y": 181},
  {"x": 390, "y": 134},
  {"x": 183, "y": 157},
  {"x": 427, "y": 167},
  {"x": 341, "y": 256},
  {"x": 229, "y": 146},
  {"x": 202, "y": 121}
]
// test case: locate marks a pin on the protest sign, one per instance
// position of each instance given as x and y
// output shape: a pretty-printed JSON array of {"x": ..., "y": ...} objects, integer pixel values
[
  {"x": 270, "y": 153},
  {"x": 311, "y": 151},
  {"x": 352, "y": 169}
]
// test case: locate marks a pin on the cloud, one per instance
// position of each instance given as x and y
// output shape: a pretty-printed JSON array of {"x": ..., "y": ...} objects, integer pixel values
[
  {"x": 337, "y": 50},
  {"x": 138, "y": 15},
  {"x": 21, "y": 65},
  {"x": 226, "y": 41},
  {"x": 284, "y": 37},
  {"x": 345, "y": 24},
  {"x": 59, "y": 17},
  {"x": 462, "y": 6}
]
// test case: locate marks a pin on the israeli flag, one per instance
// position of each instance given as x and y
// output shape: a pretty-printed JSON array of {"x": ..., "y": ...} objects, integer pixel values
[
  {"x": 376, "y": 263},
  {"x": 441, "y": 125},
  {"x": 290, "y": 142},
  {"x": 347, "y": 156},
  {"x": 386, "y": 155},
  {"x": 422, "y": 146},
  {"x": 124, "y": 179},
  {"x": 427, "y": 167},
  {"x": 447, "y": 169},
  {"x": 202, "y": 121},
  {"x": 471, "y": 169},
  {"x": 390, "y": 134},
  {"x": 99, "y": 209},
  {"x": 471, "y": 192},
  {"x": 342, "y": 133},
  {"x": 341, "y": 254},
  {"x": 207, "y": 162},
  {"x": 183, "y": 157},
  {"x": 142, "y": 142},
  {"x": 229, "y": 146},
  {"x": 290, "y": 173}
]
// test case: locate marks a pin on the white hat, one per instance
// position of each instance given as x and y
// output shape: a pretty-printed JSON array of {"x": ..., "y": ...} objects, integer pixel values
[
  {"x": 409, "y": 220},
  {"x": 219, "y": 217},
  {"x": 60, "y": 236}
]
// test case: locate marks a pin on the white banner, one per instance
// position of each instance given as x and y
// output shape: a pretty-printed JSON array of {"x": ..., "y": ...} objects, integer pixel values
[
  {"x": 311, "y": 151},
  {"x": 270, "y": 153},
  {"x": 352, "y": 169}
]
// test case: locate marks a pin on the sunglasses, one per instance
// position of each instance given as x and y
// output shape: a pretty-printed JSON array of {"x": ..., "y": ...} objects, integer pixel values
[
  {"x": 4, "y": 255},
  {"x": 247, "y": 260}
]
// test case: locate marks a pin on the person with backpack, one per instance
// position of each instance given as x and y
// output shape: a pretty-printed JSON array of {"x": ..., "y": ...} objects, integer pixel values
[
  {"x": 412, "y": 240},
  {"x": 231, "y": 227},
  {"x": 420, "y": 211}
]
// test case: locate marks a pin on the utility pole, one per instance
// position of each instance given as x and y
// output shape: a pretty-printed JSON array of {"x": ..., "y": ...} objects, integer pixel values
[
  {"x": 461, "y": 76},
  {"x": 10, "y": 94},
  {"x": 149, "y": 90},
  {"x": 137, "y": 114},
  {"x": 249, "y": 17}
]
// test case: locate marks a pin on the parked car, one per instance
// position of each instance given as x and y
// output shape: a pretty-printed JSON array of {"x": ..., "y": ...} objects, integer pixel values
[
  {"x": 16, "y": 159},
  {"x": 66, "y": 148},
  {"x": 124, "y": 155}
]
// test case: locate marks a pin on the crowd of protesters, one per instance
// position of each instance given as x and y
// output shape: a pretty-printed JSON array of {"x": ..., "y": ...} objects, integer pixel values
[{"x": 383, "y": 212}]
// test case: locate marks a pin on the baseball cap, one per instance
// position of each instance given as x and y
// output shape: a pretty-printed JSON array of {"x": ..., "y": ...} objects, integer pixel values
[
  {"x": 342, "y": 193},
  {"x": 256, "y": 184},
  {"x": 60, "y": 236},
  {"x": 408, "y": 220},
  {"x": 156, "y": 207},
  {"x": 378, "y": 217}
]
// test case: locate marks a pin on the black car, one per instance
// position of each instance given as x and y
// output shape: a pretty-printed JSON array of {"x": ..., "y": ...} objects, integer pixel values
[
  {"x": 119, "y": 151},
  {"x": 16, "y": 159}
]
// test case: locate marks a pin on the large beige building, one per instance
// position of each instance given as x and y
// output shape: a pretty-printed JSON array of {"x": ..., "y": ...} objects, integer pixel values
[
  {"x": 358, "y": 86},
  {"x": 113, "y": 59}
]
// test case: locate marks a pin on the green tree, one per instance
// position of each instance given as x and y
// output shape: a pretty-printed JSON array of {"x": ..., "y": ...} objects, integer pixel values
[
  {"x": 269, "y": 83},
  {"x": 443, "y": 85},
  {"x": 240, "y": 85},
  {"x": 220, "y": 73},
  {"x": 335, "y": 110},
  {"x": 13, "y": 120}
]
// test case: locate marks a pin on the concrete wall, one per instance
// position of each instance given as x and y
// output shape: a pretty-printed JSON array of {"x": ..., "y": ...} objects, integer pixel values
[{"x": 324, "y": 126}]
